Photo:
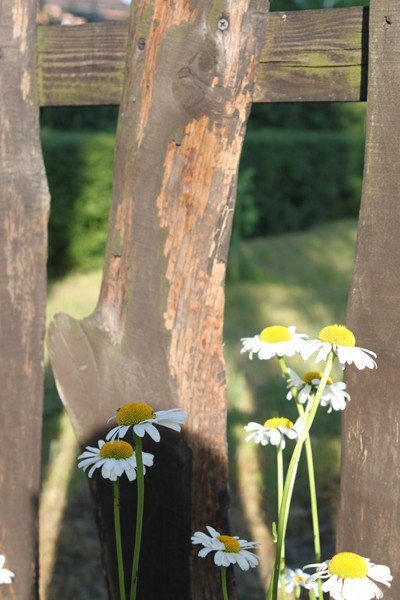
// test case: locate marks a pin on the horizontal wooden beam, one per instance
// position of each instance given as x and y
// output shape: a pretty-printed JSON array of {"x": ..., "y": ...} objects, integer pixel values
[
  {"x": 308, "y": 56},
  {"x": 315, "y": 55}
]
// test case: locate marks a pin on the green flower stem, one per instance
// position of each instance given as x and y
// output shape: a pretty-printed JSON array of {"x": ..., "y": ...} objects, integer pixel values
[
  {"x": 279, "y": 464},
  {"x": 314, "y": 509},
  {"x": 311, "y": 595},
  {"x": 311, "y": 472},
  {"x": 290, "y": 477},
  {"x": 139, "y": 513},
  {"x": 224, "y": 585},
  {"x": 118, "y": 544}
]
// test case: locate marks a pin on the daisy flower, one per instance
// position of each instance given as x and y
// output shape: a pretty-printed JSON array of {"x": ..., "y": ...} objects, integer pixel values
[
  {"x": 6, "y": 575},
  {"x": 297, "y": 578},
  {"x": 350, "y": 576},
  {"x": 334, "y": 395},
  {"x": 274, "y": 341},
  {"x": 274, "y": 431},
  {"x": 114, "y": 459},
  {"x": 228, "y": 550},
  {"x": 343, "y": 342},
  {"x": 142, "y": 418}
]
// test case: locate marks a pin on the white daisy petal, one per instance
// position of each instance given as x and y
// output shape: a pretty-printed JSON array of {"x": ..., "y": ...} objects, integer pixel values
[
  {"x": 148, "y": 459},
  {"x": 349, "y": 576},
  {"x": 343, "y": 343},
  {"x": 380, "y": 573},
  {"x": 114, "y": 458},
  {"x": 334, "y": 395},
  {"x": 131, "y": 474},
  {"x": 228, "y": 550},
  {"x": 213, "y": 532},
  {"x": 295, "y": 579},
  {"x": 153, "y": 432},
  {"x": 274, "y": 341},
  {"x": 204, "y": 551},
  {"x": 6, "y": 576},
  {"x": 93, "y": 468},
  {"x": 274, "y": 431},
  {"x": 142, "y": 418}
]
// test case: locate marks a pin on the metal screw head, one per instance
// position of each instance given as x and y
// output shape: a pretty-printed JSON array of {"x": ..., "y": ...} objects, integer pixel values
[{"x": 223, "y": 24}]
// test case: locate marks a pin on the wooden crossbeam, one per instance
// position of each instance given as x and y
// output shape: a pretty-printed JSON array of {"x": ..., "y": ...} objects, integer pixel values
[{"x": 308, "y": 56}]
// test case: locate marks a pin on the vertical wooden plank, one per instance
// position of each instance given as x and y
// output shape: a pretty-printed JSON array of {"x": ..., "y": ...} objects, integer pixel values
[
  {"x": 24, "y": 203},
  {"x": 369, "y": 519},
  {"x": 156, "y": 335}
]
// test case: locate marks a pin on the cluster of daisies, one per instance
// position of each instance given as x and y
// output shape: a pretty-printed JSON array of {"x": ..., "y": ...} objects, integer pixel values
[
  {"x": 115, "y": 456},
  {"x": 347, "y": 576},
  {"x": 280, "y": 342}
]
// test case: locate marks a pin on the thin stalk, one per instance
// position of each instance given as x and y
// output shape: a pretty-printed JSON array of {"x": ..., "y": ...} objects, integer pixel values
[
  {"x": 314, "y": 508},
  {"x": 290, "y": 477},
  {"x": 224, "y": 585},
  {"x": 118, "y": 544},
  {"x": 279, "y": 469},
  {"x": 139, "y": 513},
  {"x": 311, "y": 474}
]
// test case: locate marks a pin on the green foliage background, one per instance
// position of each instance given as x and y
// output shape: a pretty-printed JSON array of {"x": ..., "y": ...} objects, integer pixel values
[
  {"x": 290, "y": 179},
  {"x": 301, "y": 165}
]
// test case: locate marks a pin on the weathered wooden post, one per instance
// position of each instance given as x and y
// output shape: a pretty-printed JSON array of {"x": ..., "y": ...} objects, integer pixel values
[
  {"x": 369, "y": 519},
  {"x": 24, "y": 202},
  {"x": 156, "y": 334}
]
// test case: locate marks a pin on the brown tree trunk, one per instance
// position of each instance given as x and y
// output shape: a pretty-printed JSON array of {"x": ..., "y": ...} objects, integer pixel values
[
  {"x": 24, "y": 201},
  {"x": 369, "y": 519},
  {"x": 156, "y": 335}
]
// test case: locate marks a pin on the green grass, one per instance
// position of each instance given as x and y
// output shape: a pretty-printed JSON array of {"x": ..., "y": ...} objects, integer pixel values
[{"x": 297, "y": 278}]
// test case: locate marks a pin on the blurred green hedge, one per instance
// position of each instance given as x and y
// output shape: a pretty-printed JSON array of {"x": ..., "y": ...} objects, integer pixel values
[
  {"x": 289, "y": 180},
  {"x": 79, "y": 172},
  {"x": 293, "y": 179}
]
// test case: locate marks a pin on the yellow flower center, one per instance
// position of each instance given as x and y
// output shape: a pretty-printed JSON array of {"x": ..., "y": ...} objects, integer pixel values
[
  {"x": 348, "y": 565},
  {"x": 337, "y": 334},
  {"x": 134, "y": 413},
  {"x": 116, "y": 449},
  {"x": 297, "y": 578},
  {"x": 231, "y": 545},
  {"x": 311, "y": 375},
  {"x": 275, "y": 334},
  {"x": 276, "y": 421}
]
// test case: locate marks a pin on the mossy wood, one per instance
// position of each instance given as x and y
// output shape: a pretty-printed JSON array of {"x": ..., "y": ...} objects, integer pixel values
[
  {"x": 156, "y": 334},
  {"x": 24, "y": 202},
  {"x": 369, "y": 518},
  {"x": 313, "y": 55}
]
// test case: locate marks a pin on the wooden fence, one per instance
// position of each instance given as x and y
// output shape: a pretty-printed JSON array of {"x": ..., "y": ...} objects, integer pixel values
[{"x": 185, "y": 76}]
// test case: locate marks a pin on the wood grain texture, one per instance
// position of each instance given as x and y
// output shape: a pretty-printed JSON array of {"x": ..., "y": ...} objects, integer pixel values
[
  {"x": 369, "y": 519},
  {"x": 156, "y": 335},
  {"x": 81, "y": 64},
  {"x": 24, "y": 202},
  {"x": 315, "y": 55}
]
